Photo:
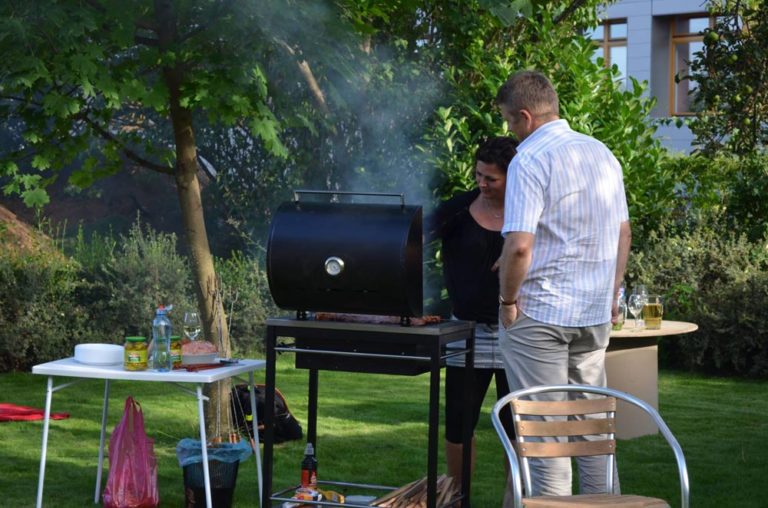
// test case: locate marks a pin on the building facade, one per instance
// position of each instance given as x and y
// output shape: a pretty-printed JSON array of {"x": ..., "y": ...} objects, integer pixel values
[{"x": 652, "y": 40}]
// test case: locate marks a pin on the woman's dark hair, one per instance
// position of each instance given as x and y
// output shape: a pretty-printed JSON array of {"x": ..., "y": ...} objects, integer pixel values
[{"x": 497, "y": 150}]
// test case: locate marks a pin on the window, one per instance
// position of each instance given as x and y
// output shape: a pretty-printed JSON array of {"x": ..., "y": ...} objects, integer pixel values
[
  {"x": 611, "y": 39},
  {"x": 687, "y": 39}
]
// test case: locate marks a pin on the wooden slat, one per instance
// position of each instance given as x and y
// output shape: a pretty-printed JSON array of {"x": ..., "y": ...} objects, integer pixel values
[
  {"x": 572, "y": 449},
  {"x": 594, "y": 501},
  {"x": 566, "y": 428},
  {"x": 563, "y": 407}
]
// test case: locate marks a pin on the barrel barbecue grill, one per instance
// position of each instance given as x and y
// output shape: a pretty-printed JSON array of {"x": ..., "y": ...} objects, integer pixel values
[
  {"x": 346, "y": 257},
  {"x": 349, "y": 259}
]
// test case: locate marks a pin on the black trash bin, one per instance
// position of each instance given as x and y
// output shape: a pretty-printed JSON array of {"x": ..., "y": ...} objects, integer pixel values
[
  {"x": 223, "y": 462},
  {"x": 223, "y": 479}
]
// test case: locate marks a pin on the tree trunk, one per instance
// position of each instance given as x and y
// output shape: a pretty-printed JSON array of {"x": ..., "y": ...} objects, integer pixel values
[{"x": 188, "y": 188}]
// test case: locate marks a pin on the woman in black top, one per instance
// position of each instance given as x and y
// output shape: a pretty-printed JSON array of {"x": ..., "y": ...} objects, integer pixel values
[{"x": 469, "y": 225}]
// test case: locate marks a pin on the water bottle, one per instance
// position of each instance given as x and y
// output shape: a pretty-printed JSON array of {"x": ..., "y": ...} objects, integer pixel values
[
  {"x": 161, "y": 336},
  {"x": 309, "y": 468},
  {"x": 621, "y": 303}
]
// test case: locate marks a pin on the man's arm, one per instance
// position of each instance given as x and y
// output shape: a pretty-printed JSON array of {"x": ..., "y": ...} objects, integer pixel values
[
  {"x": 514, "y": 264},
  {"x": 625, "y": 241}
]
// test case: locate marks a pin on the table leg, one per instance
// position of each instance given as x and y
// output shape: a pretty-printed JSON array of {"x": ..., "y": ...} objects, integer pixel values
[
  {"x": 100, "y": 468},
  {"x": 256, "y": 448},
  {"x": 634, "y": 368},
  {"x": 204, "y": 447},
  {"x": 46, "y": 422}
]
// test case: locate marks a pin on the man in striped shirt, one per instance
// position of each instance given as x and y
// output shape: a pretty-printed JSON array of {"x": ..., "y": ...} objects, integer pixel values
[{"x": 566, "y": 242}]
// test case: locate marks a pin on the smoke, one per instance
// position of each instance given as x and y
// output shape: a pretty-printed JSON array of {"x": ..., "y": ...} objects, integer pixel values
[{"x": 380, "y": 99}]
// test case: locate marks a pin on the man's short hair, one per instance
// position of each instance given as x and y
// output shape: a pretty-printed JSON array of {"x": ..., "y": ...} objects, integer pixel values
[
  {"x": 497, "y": 150},
  {"x": 529, "y": 90}
]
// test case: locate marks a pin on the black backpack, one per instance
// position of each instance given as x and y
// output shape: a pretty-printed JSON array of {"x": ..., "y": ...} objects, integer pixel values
[{"x": 287, "y": 428}]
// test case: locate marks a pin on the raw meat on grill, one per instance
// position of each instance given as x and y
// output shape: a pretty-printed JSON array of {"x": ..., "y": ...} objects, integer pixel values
[{"x": 375, "y": 319}]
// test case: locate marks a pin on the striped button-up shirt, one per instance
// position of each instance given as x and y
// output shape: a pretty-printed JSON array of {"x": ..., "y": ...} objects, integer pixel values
[{"x": 567, "y": 189}]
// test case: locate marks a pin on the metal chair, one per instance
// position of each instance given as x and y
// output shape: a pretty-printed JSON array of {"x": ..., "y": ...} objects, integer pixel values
[{"x": 571, "y": 427}]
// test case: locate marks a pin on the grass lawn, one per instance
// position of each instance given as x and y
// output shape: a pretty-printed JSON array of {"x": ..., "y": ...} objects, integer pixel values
[{"x": 372, "y": 429}]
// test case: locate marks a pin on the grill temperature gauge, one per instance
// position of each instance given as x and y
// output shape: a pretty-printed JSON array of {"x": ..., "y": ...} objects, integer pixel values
[{"x": 334, "y": 266}]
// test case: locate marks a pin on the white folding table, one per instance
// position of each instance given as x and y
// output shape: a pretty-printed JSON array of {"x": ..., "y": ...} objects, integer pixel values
[{"x": 69, "y": 367}]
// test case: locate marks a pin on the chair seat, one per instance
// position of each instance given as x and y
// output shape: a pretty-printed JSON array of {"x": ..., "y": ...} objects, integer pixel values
[{"x": 590, "y": 500}]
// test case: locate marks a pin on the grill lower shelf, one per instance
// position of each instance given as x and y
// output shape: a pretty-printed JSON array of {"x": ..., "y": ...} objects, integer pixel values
[{"x": 355, "y": 356}]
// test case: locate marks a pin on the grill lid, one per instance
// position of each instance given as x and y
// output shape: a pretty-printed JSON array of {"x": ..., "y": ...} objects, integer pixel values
[{"x": 363, "y": 258}]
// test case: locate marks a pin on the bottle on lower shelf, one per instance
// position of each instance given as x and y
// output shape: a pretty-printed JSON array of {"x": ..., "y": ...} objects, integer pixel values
[{"x": 309, "y": 468}]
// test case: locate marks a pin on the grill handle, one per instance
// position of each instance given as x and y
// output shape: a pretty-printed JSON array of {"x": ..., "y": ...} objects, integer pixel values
[{"x": 335, "y": 195}]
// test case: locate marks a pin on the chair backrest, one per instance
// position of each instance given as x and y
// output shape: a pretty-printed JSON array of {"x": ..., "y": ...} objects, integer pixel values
[{"x": 592, "y": 419}]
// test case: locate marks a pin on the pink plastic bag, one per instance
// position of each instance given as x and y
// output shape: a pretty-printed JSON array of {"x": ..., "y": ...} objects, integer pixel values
[{"x": 132, "y": 481}]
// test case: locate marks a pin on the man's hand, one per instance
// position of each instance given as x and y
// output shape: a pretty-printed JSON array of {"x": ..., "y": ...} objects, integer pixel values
[
  {"x": 515, "y": 260},
  {"x": 614, "y": 312},
  {"x": 507, "y": 315}
]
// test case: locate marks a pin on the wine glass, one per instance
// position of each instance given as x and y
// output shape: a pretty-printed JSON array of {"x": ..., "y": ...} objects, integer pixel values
[
  {"x": 191, "y": 325},
  {"x": 635, "y": 305}
]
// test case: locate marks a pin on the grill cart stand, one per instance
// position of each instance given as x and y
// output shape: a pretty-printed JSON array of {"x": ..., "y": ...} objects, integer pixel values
[{"x": 369, "y": 348}]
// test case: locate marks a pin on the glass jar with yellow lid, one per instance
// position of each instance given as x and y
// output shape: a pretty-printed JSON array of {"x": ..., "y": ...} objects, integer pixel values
[
  {"x": 176, "y": 351},
  {"x": 135, "y": 353}
]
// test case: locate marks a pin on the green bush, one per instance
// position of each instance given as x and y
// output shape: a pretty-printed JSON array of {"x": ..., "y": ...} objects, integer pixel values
[
  {"x": 717, "y": 278},
  {"x": 109, "y": 288},
  {"x": 126, "y": 278},
  {"x": 40, "y": 319},
  {"x": 247, "y": 302}
]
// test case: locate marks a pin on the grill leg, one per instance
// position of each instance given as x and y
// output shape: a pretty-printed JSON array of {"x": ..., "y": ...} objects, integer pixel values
[
  {"x": 469, "y": 390},
  {"x": 434, "y": 424},
  {"x": 269, "y": 412},
  {"x": 312, "y": 409}
]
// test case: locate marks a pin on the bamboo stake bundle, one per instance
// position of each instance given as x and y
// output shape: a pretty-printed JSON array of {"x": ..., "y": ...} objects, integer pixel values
[
  {"x": 386, "y": 498},
  {"x": 414, "y": 494}
]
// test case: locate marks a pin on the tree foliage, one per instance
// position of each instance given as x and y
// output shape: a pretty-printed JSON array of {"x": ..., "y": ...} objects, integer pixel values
[
  {"x": 730, "y": 74},
  {"x": 83, "y": 82},
  {"x": 86, "y": 82},
  {"x": 484, "y": 42},
  {"x": 87, "y": 79}
]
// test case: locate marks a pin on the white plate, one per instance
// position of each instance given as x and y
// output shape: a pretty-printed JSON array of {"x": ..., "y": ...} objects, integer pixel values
[
  {"x": 198, "y": 359},
  {"x": 99, "y": 354}
]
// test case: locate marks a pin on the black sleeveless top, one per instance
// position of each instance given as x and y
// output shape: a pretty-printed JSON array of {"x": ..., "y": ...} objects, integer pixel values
[{"x": 468, "y": 253}]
